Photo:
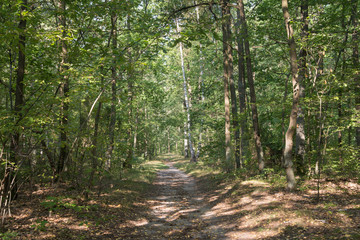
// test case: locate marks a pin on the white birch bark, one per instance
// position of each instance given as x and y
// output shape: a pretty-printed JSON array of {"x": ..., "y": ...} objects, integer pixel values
[{"x": 186, "y": 99}]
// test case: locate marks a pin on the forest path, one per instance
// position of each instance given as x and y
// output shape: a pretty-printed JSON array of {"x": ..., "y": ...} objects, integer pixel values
[
  {"x": 177, "y": 210},
  {"x": 178, "y": 206}
]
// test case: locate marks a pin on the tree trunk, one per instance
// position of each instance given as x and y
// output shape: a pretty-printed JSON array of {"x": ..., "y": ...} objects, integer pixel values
[
  {"x": 186, "y": 100},
  {"x": 114, "y": 78},
  {"x": 244, "y": 144},
  {"x": 64, "y": 91},
  {"x": 257, "y": 138},
  {"x": 130, "y": 134},
  {"x": 300, "y": 130},
  {"x": 235, "y": 122},
  {"x": 9, "y": 190},
  {"x": 288, "y": 158},
  {"x": 186, "y": 143},
  {"x": 225, "y": 9},
  {"x": 136, "y": 131},
  {"x": 201, "y": 87},
  {"x": 94, "y": 149},
  {"x": 356, "y": 63}
]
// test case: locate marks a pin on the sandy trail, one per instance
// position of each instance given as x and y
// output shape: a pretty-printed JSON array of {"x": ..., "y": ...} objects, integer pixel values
[{"x": 177, "y": 210}]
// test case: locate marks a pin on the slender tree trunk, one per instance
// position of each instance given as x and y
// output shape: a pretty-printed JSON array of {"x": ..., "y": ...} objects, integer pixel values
[
  {"x": 300, "y": 130},
  {"x": 11, "y": 61},
  {"x": 227, "y": 76},
  {"x": 340, "y": 90},
  {"x": 356, "y": 63},
  {"x": 230, "y": 69},
  {"x": 283, "y": 113},
  {"x": 186, "y": 100},
  {"x": 168, "y": 141},
  {"x": 201, "y": 87},
  {"x": 244, "y": 144},
  {"x": 114, "y": 77},
  {"x": 64, "y": 90},
  {"x": 9, "y": 190},
  {"x": 234, "y": 112},
  {"x": 186, "y": 143},
  {"x": 130, "y": 133},
  {"x": 288, "y": 158},
  {"x": 136, "y": 131},
  {"x": 257, "y": 138},
  {"x": 94, "y": 149},
  {"x": 50, "y": 157}
]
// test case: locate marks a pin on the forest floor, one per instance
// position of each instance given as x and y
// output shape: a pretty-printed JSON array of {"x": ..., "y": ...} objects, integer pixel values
[{"x": 159, "y": 201}]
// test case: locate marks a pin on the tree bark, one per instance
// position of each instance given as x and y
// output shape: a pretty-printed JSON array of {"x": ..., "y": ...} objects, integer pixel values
[
  {"x": 64, "y": 90},
  {"x": 130, "y": 98},
  {"x": 114, "y": 77},
  {"x": 225, "y": 9},
  {"x": 356, "y": 63},
  {"x": 300, "y": 130},
  {"x": 235, "y": 122},
  {"x": 244, "y": 143},
  {"x": 94, "y": 149},
  {"x": 255, "y": 119},
  {"x": 186, "y": 100},
  {"x": 288, "y": 158},
  {"x": 9, "y": 191},
  {"x": 186, "y": 143},
  {"x": 201, "y": 87}
]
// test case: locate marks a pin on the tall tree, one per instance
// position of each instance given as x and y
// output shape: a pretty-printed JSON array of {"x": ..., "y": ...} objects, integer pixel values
[
  {"x": 226, "y": 24},
  {"x": 250, "y": 78},
  {"x": 64, "y": 87},
  {"x": 242, "y": 92},
  {"x": 356, "y": 63},
  {"x": 114, "y": 78},
  {"x": 289, "y": 142},
  {"x": 201, "y": 87},
  {"x": 9, "y": 190},
  {"x": 300, "y": 130},
  {"x": 186, "y": 99}
]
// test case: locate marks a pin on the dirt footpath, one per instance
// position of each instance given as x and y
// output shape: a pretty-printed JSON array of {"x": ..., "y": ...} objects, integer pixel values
[
  {"x": 177, "y": 210},
  {"x": 179, "y": 207}
]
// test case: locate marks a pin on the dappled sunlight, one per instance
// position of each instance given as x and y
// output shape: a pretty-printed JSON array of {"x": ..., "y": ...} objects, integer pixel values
[
  {"x": 139, "y": 222},
  {"x": 255, "y": 183},
  {"x": 179, "y": 206}
]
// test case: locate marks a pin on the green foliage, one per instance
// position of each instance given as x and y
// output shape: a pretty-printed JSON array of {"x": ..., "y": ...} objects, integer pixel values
[
  {"x": 62, "y": 202},
  {"x": 8, "y": 235},
  {"x": 40, "y": 225}
]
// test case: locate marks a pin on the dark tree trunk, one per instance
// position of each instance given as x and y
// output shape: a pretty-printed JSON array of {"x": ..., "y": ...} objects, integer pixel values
[
  {"x": 64, "y": 91},
  {"x": 9, "y": 183},
  {"x": 130, "y": 133},
  {"x": 255, "y": 119},
  {"x": 230, "y": 70},
  {"x": 356, "y": 63},
  {"x": 244, "y": 144},
  {"x": 114, "y": 78},
  {"x": 227, "y": 76},
  {"x": 94, "y": 153}
]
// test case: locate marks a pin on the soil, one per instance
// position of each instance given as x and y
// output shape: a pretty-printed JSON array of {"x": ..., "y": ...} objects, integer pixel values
[
  {"x": 178, "y": 210},
  {"x": 181, "y": 207},
  {"x": 178, "y": 206}
]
